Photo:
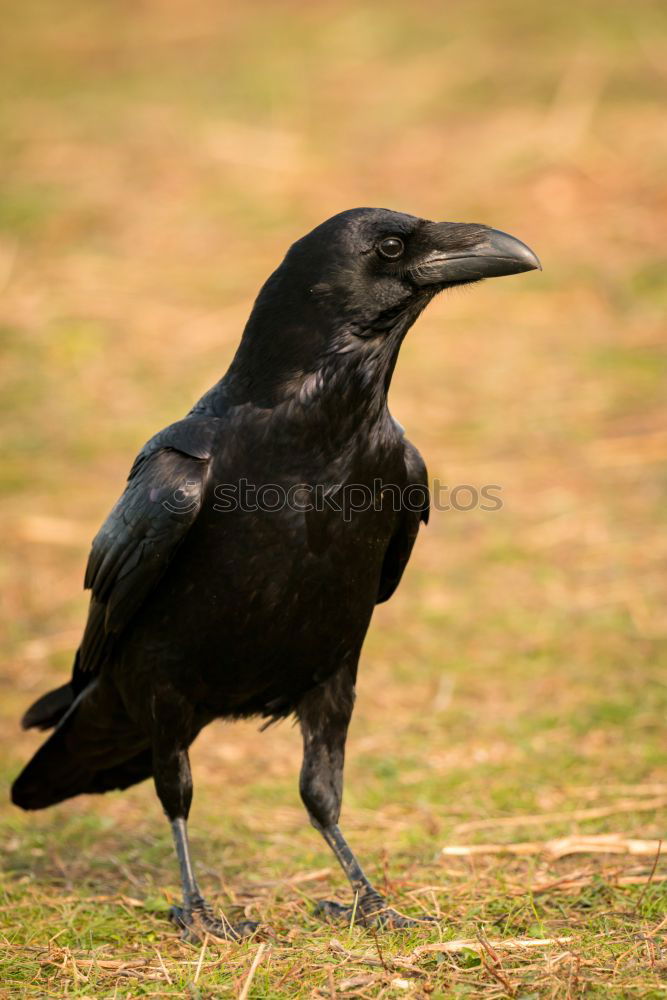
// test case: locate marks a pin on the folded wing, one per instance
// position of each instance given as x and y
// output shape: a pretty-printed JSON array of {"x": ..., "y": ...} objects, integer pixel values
[
  {"x": 135, "y": 545},
  {"x": 415, "y": 510}
]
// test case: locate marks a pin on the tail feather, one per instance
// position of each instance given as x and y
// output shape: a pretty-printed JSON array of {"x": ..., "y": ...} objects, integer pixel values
[
  {"x": 55, "y": 774},
  {"x": 52, "y": 775},
  {"x": 49, "y": 709},
  {"x": 94, "y": 749}
]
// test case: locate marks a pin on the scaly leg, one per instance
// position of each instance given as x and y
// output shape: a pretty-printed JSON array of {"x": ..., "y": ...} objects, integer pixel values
[
  {"x": 173, "y": 783},
  {"x": 324, "y": 715}
]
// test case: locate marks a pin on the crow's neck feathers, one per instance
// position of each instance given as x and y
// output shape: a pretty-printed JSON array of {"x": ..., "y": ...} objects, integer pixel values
[{"x": 306, "y": 346}]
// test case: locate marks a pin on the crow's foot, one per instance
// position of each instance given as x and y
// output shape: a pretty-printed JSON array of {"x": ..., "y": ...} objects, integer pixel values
[
  {"x": 370, "y": 910},
  {"x": 197, "y": 920}
]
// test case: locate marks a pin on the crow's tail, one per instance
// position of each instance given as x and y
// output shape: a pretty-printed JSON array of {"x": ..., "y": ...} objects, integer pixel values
[
  {"x": 49, "y": 709},
  {"x": 94, "y": 749},
  {"x": 55, "y": 774}
]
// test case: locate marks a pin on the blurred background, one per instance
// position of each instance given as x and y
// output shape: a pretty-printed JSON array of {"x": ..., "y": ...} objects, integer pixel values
[{"x": 157, "y": 160}]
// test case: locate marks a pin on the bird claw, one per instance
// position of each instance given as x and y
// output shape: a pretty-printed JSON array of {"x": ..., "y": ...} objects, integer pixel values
[
  {"x": 198, "y": 920},
  {"x": 370, "y": 913}
]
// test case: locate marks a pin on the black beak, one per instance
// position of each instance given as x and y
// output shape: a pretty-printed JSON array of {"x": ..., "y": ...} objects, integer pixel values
[{"x": 468, "y": 252}]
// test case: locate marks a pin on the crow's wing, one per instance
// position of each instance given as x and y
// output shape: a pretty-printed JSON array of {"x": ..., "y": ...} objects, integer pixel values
[
  {"x": 137, "y": 541},
  {"x": 415, "y": 509}
]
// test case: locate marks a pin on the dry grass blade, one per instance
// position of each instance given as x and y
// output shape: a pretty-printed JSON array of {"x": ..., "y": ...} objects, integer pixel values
[
  {"x": 200, "y": 959},
  {"x": 650, "y": 879},
  {"x": 110, "y": 965},
  {"x": 495, "y": 966},
  {"x": 356, "y": 982},
  {"x": 502, "y": 944},
  {"x": 577, "y": 815},
  {"x": 387, "y": 963},
  {"x": 297, "y": 879},
  {"x": 561, "y": 847},
  {"x": 570, "y": 883},
  {"x": 164, "y": 967},
  {"x": 259, "y": 954}
]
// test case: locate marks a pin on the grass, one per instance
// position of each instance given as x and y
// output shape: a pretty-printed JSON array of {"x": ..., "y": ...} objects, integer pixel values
[{"x": 156, "y": 165}]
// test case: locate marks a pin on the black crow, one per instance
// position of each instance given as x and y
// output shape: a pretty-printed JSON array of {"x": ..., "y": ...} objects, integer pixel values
[{"x": 237, "y": 574}]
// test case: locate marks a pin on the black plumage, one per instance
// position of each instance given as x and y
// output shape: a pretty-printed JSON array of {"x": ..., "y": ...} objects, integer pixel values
[{"x": 206, "y": 603}]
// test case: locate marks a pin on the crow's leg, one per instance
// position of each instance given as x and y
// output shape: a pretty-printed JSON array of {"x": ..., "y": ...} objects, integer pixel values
[
  {"x": 173, "y": 783},
  {"x": 324, "y": 715}
]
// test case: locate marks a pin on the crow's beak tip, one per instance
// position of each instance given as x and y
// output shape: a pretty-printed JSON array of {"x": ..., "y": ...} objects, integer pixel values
[
  {"x": 517, "y": 254},
  {"x": 470, "y": 252}
]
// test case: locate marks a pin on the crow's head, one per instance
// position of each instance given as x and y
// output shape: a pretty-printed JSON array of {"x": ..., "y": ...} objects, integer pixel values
[
  {"x": 354, "y": 285},
  {"x": 373, "y": 264}
]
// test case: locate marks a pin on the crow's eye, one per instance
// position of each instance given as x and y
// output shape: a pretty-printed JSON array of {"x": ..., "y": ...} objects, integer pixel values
[{"x": 392, "y": 248}]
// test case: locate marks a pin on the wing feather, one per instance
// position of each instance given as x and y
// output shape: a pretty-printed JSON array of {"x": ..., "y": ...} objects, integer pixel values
[
  {"x": 136, "y": 543},
  {"x": 400, "y": 545}
]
